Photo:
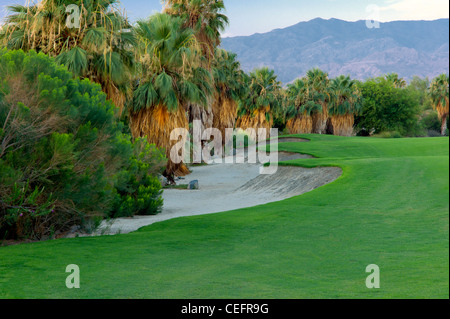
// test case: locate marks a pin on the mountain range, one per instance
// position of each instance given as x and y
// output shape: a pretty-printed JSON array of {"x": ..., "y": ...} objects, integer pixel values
[{"x": 338, "y": 47}]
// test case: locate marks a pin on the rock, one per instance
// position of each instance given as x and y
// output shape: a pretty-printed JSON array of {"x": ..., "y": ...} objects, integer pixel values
[{"x": 193, "y": 185}]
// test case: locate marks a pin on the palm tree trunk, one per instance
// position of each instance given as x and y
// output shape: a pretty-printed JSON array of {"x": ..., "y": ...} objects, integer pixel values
[
  {"x": 343, "y": 124},
  {"x": 225, "y": 113},
  {"x": 444, "y": 126},
  {"x": 320, "y": 121},
  {"x": 156, "y": 123},
  {"x": 257, "y": 121},
  {"x": 300, "y": 125}
]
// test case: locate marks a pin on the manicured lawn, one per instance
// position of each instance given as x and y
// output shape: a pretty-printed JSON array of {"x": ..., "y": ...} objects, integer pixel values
[{"x": 390, "y": 208}]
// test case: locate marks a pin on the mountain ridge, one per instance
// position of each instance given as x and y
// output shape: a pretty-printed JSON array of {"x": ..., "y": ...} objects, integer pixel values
[{"x": 338, "y": 47}]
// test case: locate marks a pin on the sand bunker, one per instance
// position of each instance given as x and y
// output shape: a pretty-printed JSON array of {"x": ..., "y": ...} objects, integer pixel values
[{"x": 225, "y": 187}]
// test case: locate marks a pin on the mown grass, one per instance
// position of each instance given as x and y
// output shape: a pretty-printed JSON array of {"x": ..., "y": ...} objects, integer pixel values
[{"x": 390, "y": 208}]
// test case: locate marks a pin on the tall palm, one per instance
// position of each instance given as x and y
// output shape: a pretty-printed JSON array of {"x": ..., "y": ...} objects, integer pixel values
[
  {"x": 439, "y": 92},
  {"x": 318, "y": 90},
  {"x": 345, "y": 102},
  {"x": 171, "y": 78},
  {"x": 261, "y": 100},
  {"x": 205, "y": 17},
  {"x": 300, "y": 106},
  {"x": 229, "y": 82},
  {"x": 100, "y": 49},
  {"x": 397, "y": 81}
]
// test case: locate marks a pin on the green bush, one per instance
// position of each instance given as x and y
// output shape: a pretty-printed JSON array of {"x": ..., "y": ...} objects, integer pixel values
[
  {"x": 138, "y": 188},
  {"x": 430, "y": 121},
  {"x": 386, "y": 108},
  {"x": 64, "y": 158}
]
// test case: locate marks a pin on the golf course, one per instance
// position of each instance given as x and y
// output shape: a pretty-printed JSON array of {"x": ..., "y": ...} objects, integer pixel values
[{"x": 390, "y": 207}]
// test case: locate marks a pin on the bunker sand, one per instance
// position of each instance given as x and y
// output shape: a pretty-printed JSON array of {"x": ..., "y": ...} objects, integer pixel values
[{"x": 226, "y": 187}]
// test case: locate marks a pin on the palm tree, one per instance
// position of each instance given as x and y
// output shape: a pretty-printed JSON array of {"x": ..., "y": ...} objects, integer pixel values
[
  {"x": 398, "y": 82},
  {"x": 171, "y": 78},
  {"x": 205, "y": 17},
  {"x": 100, "y": 49},
  {"x": 261, "y": 100},
  {"x": 228, "y": 79},
  {"x": 300, "y": 106},
  {"x": 439, "y": 92},
  {"x": 318, "y": 90},
  {"x": 345, "y": 102}
]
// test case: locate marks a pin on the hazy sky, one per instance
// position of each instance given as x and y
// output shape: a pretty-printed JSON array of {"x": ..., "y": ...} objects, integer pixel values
[{"x": 252, "y": 16}]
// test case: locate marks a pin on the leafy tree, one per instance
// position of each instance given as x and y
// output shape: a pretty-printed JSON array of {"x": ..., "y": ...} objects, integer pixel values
[{"x": 387, "y": 108}]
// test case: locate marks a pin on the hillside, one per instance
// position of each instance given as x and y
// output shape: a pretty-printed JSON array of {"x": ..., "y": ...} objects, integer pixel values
[{"x": 339, "y": 47}]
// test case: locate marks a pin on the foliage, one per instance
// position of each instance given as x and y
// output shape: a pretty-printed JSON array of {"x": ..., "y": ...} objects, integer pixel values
[
  {"x": 62, "y": 150},
  {"x": 99, "y": 49},
  {"x": 263, "y": 93},
  {"x": 171, "y": 77},
  {"x": 204, "y": 17},
  {"x": 387, "y": 108},
  {"x": 395, "y": 80},
  {"x": 439, "y": 92},
  {"x": 345, "y": 97}
]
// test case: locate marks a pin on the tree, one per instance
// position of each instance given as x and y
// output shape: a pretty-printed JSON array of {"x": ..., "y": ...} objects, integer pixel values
[
  {"x": 318, "y": 90},
  {"x": 300, "y": 106},
  {"x": 172, "y": 77},
  {"x": 261, "y": 100},
  {"x": 439, "y": 92},
  {"x": 229, "y": 83},
  {"x": 99, "y": 50},
  {"x": 396, "y": 81},
  {"x": 206, "y": 19},
  {"x": 64, "y": 158},
  {"x": 345, "y": 102},
  {"x": 386, "y": 108}
]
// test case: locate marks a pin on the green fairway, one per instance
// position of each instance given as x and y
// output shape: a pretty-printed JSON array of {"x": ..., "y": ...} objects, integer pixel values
[{"x": 389, "y": 208}]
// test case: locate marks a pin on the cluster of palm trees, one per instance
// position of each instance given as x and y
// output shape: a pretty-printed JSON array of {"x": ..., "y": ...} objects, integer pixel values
[
  {"x": 168, "y": 70},
  {"x": 316, "y": 104},
  {"x": 165, "y": 71}
]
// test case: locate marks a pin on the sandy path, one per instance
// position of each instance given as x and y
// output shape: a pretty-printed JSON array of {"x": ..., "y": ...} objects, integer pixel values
[{"x": 225, "y": 187}]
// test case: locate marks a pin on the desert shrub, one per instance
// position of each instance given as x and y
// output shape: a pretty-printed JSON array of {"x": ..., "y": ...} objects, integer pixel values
[
  {"x": 63, "y": 153},
  {"x": 138, "y": 187}
]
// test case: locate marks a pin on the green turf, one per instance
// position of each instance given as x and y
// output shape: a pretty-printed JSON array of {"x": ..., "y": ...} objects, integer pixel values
[{"x": 390, "y": 208}]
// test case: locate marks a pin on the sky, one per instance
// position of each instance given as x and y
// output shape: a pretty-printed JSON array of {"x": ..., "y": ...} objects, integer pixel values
[{"x": 258, "y": 16}]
